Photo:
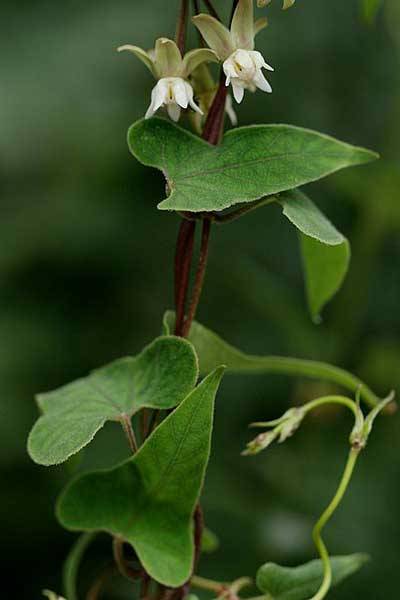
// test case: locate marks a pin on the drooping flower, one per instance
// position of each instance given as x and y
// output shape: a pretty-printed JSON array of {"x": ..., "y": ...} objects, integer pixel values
[
  {"x": 242, "y": 64},
  {"x": 165, "y": 62},
  {"x": 173, "y": 92}
]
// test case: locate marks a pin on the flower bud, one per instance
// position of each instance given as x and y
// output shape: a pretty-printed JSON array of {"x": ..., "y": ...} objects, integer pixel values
[{"x": 51, "y": 595}]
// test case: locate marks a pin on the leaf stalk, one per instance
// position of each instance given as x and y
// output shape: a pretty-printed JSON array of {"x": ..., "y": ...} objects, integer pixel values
[{"x": 129, "y": 433}]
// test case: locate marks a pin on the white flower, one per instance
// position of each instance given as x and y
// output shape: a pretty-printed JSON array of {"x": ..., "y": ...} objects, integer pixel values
[
  {"x": 171, "y": 70},
  {"x": 243, "y": 70},
  {"x": 235, "y": 47},
  {"x": 175, "y": 93}
]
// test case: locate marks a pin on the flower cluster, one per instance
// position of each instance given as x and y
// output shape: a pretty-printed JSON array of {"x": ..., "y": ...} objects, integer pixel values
[
  {"x": 281, "y": 430},
  {"x": 180, "y": 79}
]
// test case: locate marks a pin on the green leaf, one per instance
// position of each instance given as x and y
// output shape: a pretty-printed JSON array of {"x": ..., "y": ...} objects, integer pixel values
[
  {"x": 213, "y": 350},
  {"x": 72, "y": 564},
  {"x": 252, "y": 162},
  {"x": 300, "y": 583},
  {"x": 325, "y": 268},
  {"x": 325, "y": 251},
  {"x": 209, "y": 541},
  {"x": 149, "y": 499},
  {"x": 159, "y": 377},
  {"x": 303, "y": 213}
]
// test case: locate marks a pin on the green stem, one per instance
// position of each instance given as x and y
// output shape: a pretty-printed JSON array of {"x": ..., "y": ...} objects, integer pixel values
[
  {"x": 220, "y": 588},
  {"x": 320, "y": 370},
  {"x": 342, "y": 400},
  {"x": 129, "y": 432},
  {"x": 207, "y": 584},
  {"x": 325, "y": 517},
  {"x": 305, "y": 368},
  {"x": 244, "y": 210},
  {"x": 72, "y": 564}
]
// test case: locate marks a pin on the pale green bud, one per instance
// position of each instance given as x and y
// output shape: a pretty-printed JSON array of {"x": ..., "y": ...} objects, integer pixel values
[
  {"x": 52, "y": 595},
  {"x": 283, "y": 428}
]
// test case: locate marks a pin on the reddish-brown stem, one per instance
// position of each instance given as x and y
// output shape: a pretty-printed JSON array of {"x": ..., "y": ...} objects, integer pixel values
[
  {"x": 144, "y": 424},
  {"x": 97, "y": 586},
  {"x": 199, "y": 277},
  {"x": 213, "y": 128},
  {"x": 183, "y": 261},
  {"x": 144, "y": 588},
  {"x": 123, "y": 568},
  {"x": 181, "y": 26},
  {"x": 198, "y": 534}
]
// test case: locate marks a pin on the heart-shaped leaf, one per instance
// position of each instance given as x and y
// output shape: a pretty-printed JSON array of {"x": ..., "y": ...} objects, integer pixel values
[
  {"x": 252, "y": 162},
  {"x": 212, "y": 350},
  {"x": 325, "y": 251},
  {"x": 159, "y": 377},
  {"x": 149, "y": 499},
  {"x": 300, "y": 583}
]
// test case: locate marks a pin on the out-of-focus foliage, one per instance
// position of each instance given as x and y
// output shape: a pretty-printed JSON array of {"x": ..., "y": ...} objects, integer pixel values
[
  {"x": 85, "y": 268},
  {"x": 370, "y": 9}
]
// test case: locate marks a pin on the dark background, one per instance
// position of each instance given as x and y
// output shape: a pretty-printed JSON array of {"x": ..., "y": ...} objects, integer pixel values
[{"x": 86, "y": 273}]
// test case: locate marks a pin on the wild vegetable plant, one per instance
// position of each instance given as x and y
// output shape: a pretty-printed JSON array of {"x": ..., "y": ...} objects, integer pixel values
[{"x": 163, "y": 398}]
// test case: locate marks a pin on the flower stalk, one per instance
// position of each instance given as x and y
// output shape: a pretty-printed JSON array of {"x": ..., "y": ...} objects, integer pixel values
[
  {"x": 285, "y": 426},
  {"x": 326, "y": 516}
]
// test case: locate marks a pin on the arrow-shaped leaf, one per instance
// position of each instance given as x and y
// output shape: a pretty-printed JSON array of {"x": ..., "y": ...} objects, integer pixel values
[
  {"x": 159, "y": 377},
  {"x": 252, "y": 162},
  {"x": 300, "y": 583},
  {"x": 149, "y": 499}
]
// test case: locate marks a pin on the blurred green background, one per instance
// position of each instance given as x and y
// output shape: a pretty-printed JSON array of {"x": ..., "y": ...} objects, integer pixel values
[{"x": 86, "y": 273}]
